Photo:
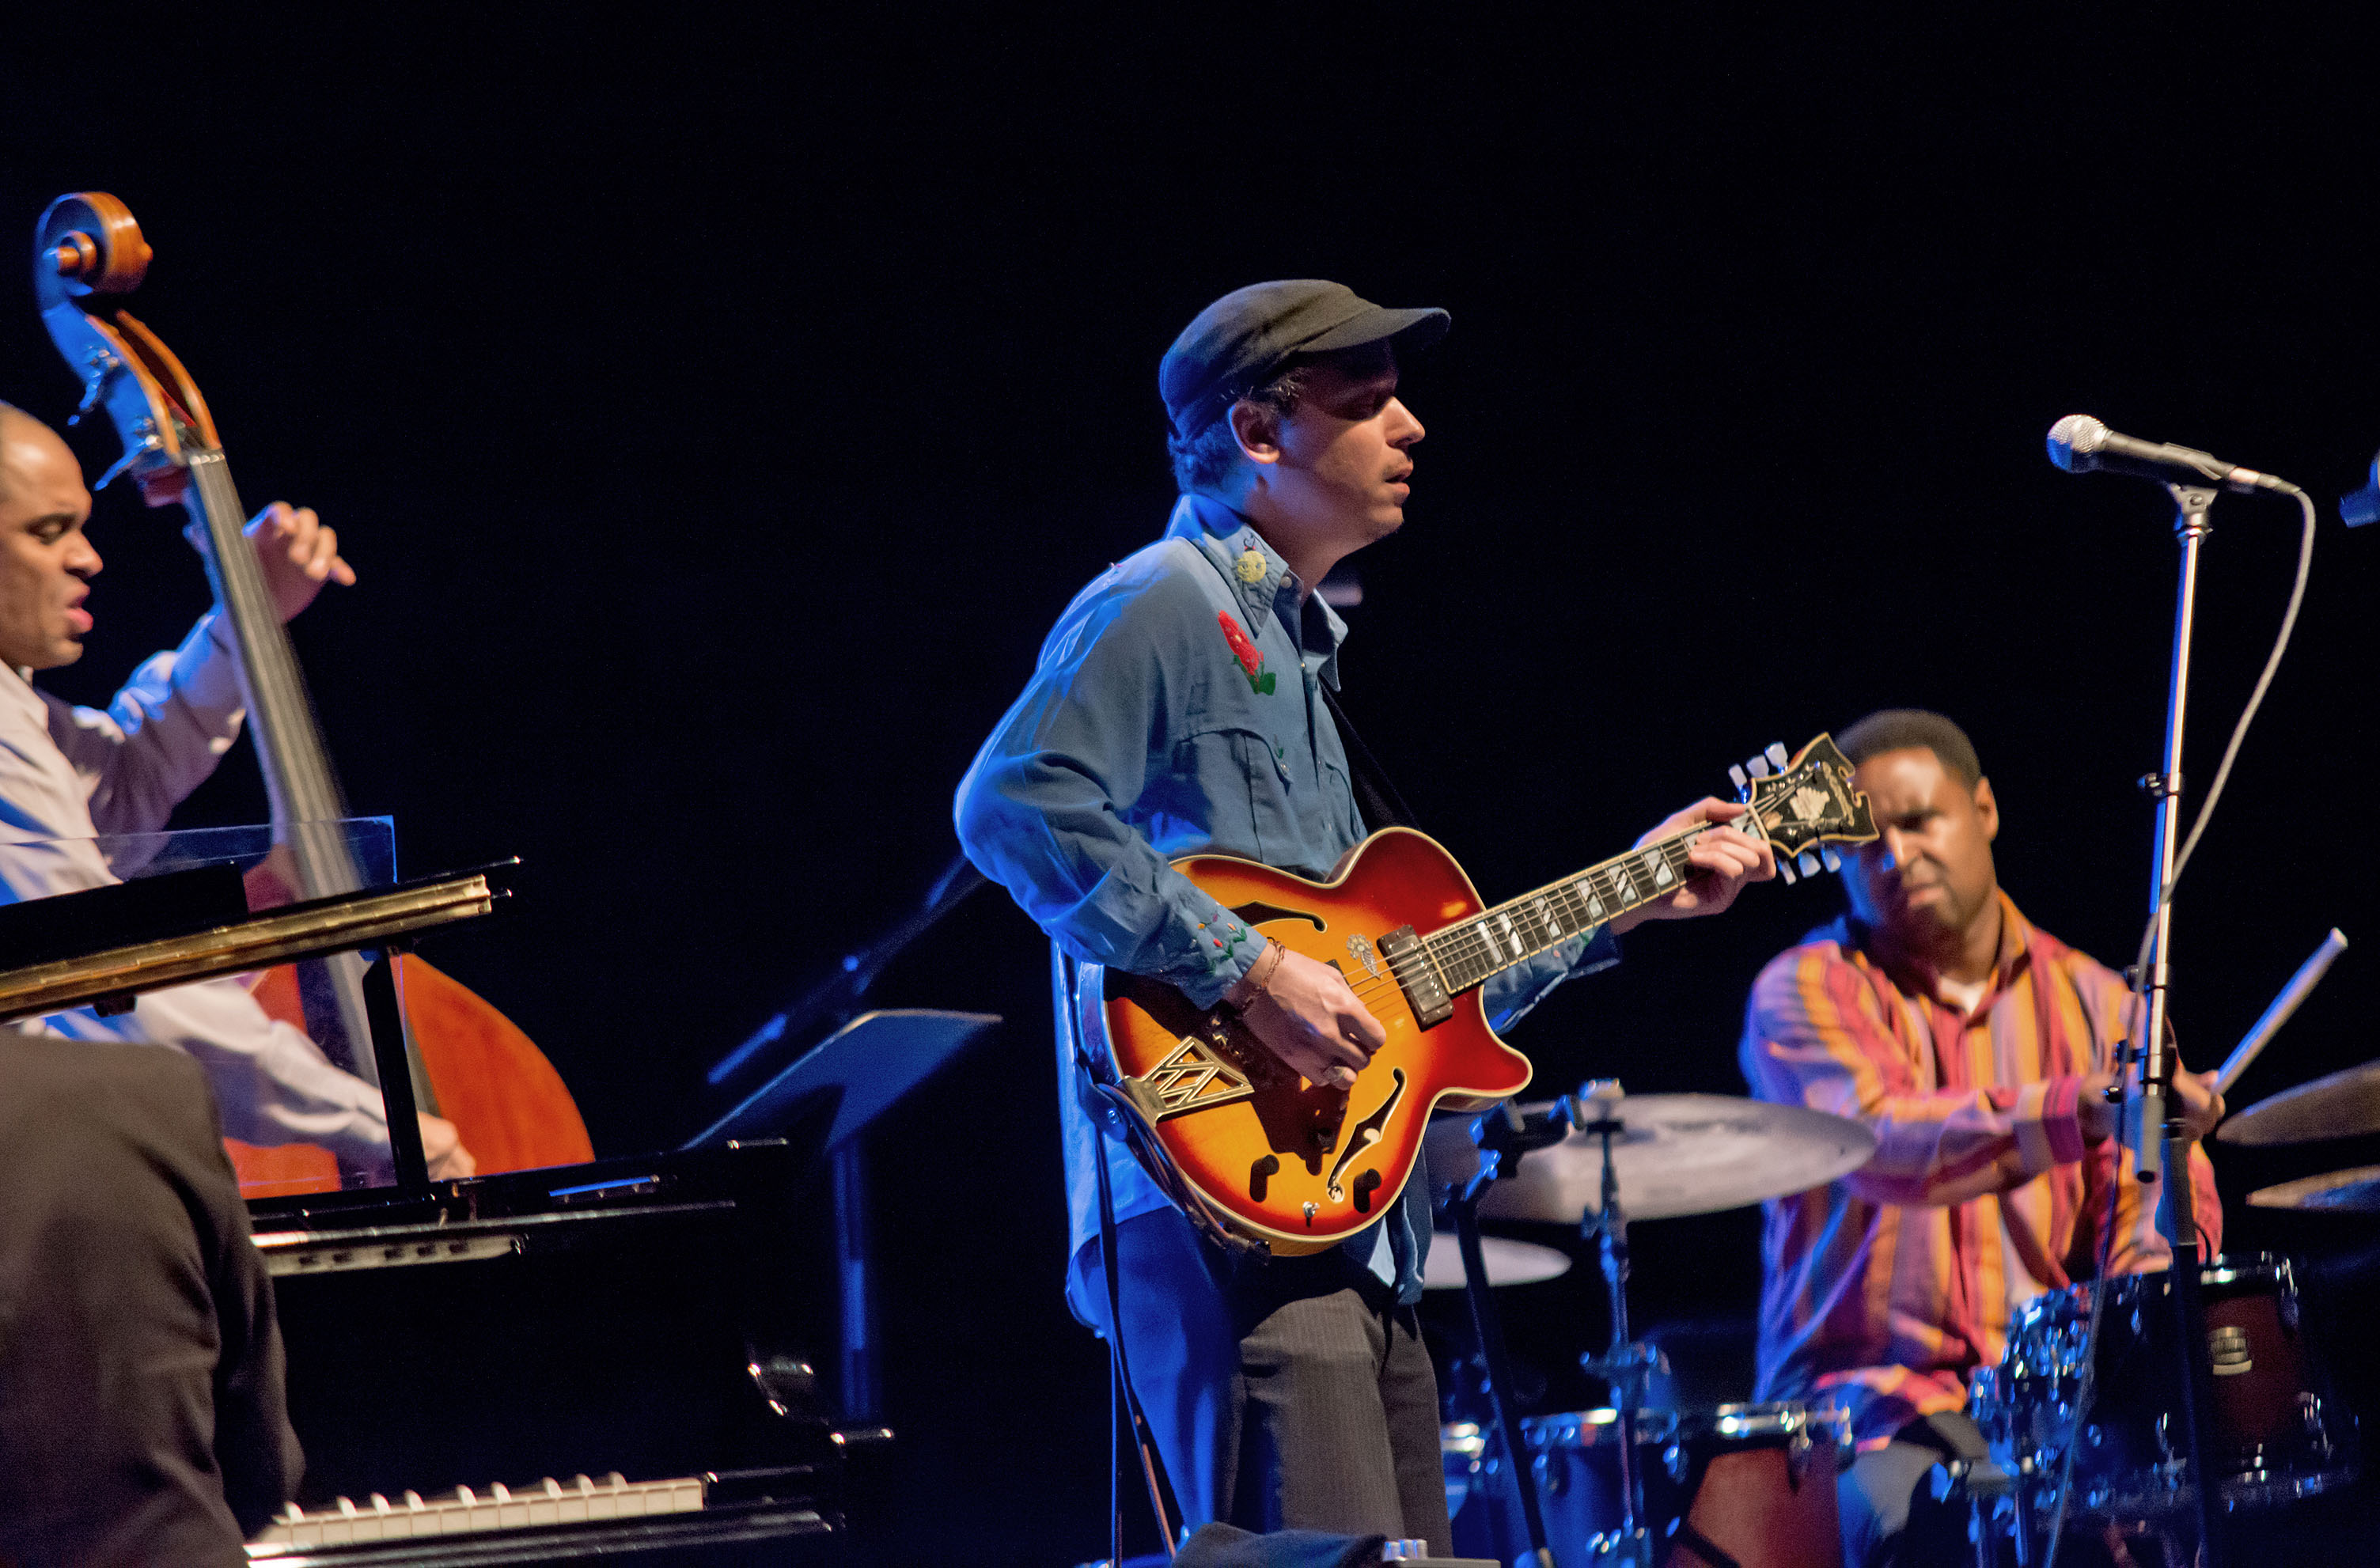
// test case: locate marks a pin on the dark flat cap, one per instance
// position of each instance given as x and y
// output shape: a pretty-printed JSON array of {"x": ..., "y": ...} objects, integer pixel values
[{"x": 1240, "y": 339}]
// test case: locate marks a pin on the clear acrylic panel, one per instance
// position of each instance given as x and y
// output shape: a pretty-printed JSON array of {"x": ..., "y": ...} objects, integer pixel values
[{"x": 265, "y": 1082}]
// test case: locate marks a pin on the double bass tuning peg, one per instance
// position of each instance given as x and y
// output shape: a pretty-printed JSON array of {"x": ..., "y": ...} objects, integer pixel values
[{"x": 100, "y": 367}]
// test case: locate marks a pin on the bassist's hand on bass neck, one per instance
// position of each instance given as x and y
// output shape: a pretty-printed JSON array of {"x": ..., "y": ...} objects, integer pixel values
[{"x": 296, "y": 554}]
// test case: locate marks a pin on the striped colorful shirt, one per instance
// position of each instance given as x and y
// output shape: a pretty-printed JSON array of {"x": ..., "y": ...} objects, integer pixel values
[{"x": 1883, "y": 1290}]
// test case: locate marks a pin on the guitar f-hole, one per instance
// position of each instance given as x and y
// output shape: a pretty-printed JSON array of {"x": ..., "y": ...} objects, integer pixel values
[
  {"x": 1259, "y": 912},
  {"x": 1366, "y": 1133}
]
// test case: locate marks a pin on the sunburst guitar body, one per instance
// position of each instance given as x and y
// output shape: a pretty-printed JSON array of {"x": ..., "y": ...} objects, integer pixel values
[{"x": 1298, "y": 1167}]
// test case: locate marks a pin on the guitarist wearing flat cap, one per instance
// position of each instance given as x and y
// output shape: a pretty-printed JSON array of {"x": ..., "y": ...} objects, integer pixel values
[{"x": 1185, "y": 703}]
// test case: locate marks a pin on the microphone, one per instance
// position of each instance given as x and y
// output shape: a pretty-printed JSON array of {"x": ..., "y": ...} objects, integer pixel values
[{"x": 2080, "y": 444}]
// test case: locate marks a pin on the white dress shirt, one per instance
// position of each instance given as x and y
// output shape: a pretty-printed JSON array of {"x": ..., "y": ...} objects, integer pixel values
[{"x": 70, "y": 774}]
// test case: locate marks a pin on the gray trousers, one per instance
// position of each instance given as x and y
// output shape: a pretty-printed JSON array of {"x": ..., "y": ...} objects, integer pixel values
[{"x": 1288, "y": 1393}]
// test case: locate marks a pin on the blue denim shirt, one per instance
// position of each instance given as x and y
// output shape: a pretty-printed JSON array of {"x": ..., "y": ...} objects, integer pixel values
[{"x": 1150, "y": 731}]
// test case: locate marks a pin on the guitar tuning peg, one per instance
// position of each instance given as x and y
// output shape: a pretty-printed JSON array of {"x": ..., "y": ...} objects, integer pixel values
[
  {"x": 1776, "y": 754},
  {"x": 1834, "y": 861},
  {"x": 1736, "y": 776},
  {"x": 1759, "y": 766},
  {"x": 1808, "y": 862},
  {"x": 1785, "y": 869}
]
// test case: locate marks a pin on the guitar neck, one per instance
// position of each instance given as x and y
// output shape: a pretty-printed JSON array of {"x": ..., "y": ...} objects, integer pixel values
[{"x": 1471, "y": 950}]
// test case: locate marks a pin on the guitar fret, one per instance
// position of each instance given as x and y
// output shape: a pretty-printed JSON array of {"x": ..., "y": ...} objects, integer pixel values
[
  {"x": 1470, "y": 950},
  {"x": 1590, "y": 898}
]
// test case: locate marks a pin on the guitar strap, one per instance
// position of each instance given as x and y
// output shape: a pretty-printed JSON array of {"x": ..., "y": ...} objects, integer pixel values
[{"x": 1375, "y": 797}]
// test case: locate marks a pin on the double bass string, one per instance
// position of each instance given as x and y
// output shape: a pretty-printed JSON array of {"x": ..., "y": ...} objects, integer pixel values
[{"x": 299, "y": 772}]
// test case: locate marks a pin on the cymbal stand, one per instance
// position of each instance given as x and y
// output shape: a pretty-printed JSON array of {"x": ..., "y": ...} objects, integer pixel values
[
  {"x": 1503, "y": 1136},
  {"x": 1627, "y": 1364}
]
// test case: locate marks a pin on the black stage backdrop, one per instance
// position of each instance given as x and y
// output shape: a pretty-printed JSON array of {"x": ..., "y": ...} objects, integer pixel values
[{"x": 719, "y": 407}]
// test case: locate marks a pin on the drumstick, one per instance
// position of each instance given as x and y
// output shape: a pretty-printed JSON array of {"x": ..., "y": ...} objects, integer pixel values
[{"x": 2300, "y": 985}]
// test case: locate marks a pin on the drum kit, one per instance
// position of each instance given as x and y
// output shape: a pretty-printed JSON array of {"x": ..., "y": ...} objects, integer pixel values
[
  {"x": 1745, "y": 1484},
  {"x": 1753, "y": 1485}
]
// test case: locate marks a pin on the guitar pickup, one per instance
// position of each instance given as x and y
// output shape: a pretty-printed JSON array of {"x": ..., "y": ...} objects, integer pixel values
[{"x": 1417, "y": 977}]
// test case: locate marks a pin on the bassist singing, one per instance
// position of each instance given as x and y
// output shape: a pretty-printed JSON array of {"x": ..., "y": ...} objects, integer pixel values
[{"x": 1185, "y": 703}]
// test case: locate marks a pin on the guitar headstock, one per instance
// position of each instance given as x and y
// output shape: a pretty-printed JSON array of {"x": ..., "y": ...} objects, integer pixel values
[{"x": 1805, "y": 805}]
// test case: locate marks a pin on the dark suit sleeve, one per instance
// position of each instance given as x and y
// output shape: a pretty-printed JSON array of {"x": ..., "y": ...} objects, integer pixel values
[
  {"x": 255, "y": 1446},
  {"x": 140, "y": 1370}
]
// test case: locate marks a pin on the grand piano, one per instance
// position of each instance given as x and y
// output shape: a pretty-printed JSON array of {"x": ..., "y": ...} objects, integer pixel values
[
  {"x": 598, "y": 1363},
  {"x": 591, "y": 1363}
]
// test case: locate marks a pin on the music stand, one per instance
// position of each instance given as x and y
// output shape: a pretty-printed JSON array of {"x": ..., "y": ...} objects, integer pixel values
[
  {"x": 862, "y": 1070},
  {"x": 188, "y": 926}
]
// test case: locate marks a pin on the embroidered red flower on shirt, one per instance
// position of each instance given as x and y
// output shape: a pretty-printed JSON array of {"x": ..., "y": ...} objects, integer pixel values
[{"x": 1246, "y": 651}]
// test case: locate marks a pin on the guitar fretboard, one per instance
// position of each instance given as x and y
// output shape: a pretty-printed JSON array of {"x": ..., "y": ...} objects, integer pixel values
[{"x": 1470, "y": 950}]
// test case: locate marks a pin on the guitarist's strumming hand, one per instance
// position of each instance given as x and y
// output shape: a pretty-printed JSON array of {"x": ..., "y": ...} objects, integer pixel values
[
  {"x": 1725, "y": 859},
  {"x": 1304, "y": 1012}
]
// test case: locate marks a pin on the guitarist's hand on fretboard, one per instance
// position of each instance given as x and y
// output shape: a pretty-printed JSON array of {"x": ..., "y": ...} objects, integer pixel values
[
  {"x": 1725, "y": 860},
  {"x": 1307, "y": 1016}
]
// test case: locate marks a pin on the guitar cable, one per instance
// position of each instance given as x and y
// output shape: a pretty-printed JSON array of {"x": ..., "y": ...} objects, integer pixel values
[{"x": 1122, "y": 1399}]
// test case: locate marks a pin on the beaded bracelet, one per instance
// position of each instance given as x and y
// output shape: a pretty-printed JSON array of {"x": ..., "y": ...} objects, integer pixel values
[{"x": 1259, "y": 974}]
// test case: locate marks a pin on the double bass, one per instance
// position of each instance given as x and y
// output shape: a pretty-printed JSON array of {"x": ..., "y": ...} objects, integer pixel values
[{"x": 467, "y": 1061}]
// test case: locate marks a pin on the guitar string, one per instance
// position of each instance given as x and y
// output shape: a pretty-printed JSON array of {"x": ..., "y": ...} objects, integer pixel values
[
  {"x": 1462, "y": 943},
  {"x": 1462, "y": 946}
]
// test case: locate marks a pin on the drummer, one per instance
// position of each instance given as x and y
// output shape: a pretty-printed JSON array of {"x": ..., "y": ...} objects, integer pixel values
[{"x": 1979, "y": 1049}]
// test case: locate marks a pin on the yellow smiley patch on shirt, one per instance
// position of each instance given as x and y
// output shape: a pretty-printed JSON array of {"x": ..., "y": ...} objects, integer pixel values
[{"x": 1250, "y": 567}]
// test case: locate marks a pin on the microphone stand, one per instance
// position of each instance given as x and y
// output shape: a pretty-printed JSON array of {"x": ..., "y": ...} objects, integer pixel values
[
  {"x": 1503, "y": 1136},
  {"x": 2155, "y": 1137}
]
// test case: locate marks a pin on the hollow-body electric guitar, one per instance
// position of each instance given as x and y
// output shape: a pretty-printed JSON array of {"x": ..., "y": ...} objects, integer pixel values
[{"x": 1298, "y": 1167}]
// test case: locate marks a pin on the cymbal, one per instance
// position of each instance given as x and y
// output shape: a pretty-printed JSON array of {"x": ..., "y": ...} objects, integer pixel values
[
  {"x": 2350, "y": 1191},
  {"x": 2343, "y": 1104},
  {"x": 1509, "y": 1262},
  {"x": 1683, "y": 1154}
]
